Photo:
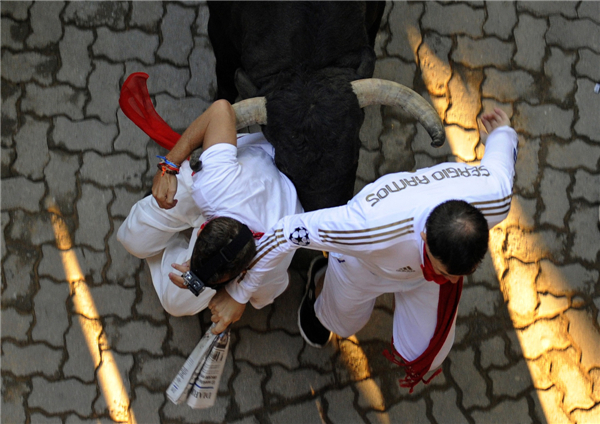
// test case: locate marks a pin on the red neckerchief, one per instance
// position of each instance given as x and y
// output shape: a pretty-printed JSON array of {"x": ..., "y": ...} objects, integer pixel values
[
  {"x": 447, "y": 307},
  {"x": 256, "y": 235}
]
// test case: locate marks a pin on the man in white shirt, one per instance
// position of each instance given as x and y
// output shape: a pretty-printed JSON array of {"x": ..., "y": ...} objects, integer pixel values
[
  {"x": 411, "y": 234},
  {"x": 238, "y": 183}
]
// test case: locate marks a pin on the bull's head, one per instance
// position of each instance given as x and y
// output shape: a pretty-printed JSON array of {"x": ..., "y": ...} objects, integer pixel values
[{"x": 317, "y": 122}]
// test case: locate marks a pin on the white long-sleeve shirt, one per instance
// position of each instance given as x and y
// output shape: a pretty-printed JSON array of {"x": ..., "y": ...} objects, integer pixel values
[{"x": 381, "y": 225}]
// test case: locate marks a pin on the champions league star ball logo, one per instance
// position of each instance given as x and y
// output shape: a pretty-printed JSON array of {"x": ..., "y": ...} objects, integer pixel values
[{"x": 300, "y": 236}]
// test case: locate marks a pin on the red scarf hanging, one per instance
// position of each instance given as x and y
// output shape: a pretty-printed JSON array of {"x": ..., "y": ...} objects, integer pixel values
[
  {"x": 447, "y": 307},
  {"x": 137, "y": 105}
]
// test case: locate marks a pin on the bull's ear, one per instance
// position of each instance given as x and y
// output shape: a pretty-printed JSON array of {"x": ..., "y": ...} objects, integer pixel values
[
  {"x": 367, "y": 63},
  {"x": 244, "y": 85}
]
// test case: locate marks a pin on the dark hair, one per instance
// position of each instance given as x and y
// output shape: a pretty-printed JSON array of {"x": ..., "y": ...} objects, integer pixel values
[
  {"x": 215, "y": 235},
  {"x": 457, "y": 235}
]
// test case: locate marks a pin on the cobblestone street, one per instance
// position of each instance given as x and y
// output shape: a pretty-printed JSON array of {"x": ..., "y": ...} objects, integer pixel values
[{"x": 84, "y": 336}]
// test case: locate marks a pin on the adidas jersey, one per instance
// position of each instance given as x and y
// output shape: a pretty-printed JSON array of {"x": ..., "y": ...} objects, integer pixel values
[{"x": 381, "y": 225}]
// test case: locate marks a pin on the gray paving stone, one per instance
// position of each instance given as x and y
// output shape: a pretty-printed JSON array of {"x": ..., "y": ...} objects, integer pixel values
[
  {"x": 90, "y": 262},
  {"x": 157, "y": 373},
  {"x": 522, "y": 213},
  {"x": 123, "y": 265},
  {"x": 543, "y": 120},
  {"x": 146, "y": 405},
  {"x": 590, "y": 416},
  {"x": 585, "y": 335},
  {"x": 396, "y": 139},
  {"x": 558, "y": 69},
  {"x": 540, "y": 244},
  {"x": 552, "y": 189},
  {"x": 7, "y": 156},
  {"x": 589, "y": 9},
  {"x": 85, "y": 135},
  {"x": 574, "y": 34},
  {"x": 319, "y": 358},
  {"x": 501, "y": 19},
  {"x": 308, "y": 412},
  {"x": 404, "y": 411},
  {"x": 512, "y": 381},
  {"x": 93, "y": 218},
  {"x": 514, "y": 411},
  {"x": 529, "y": 38},
  {"x": 185, "y": 334},
  {"x": 464, "y": 87},
  {"x": 543, "y": 336},
  {"x": 165, "y": 78},
  {"x": 468, "y": 378},
  {"x": 121, "y": 46},
  {"x": 45, "y": 23},
  {"x": 113, "y": 170},
  {"x": 479, "y": 299},
  {"x": 460, "y": 333},
  {"x": 15, "y": 325},
  {"x": 379, "y": 327},
  {"x": 203, "y": 82},
  {"x": 130, "y": 138},
  {"x": 176, "y": 32},
  {"x": 10, "y": 94},
  {"x": 61, "y": 396},
  {"x": 82, "y": 361},
  {"x": 588, "y": 64},
  {"x": 16, "y": 9},
  {"x": 76, "y": 63},
  {"x": 338, "y": 409},
  {"x": 584, "y": 224},
  {"x": 13, "y": 393},
  {"x": 366, "y": 159},
  {"x": 489, "y": 51},
  {"x": 39, "y": 418},
  {"x": 122, "y": 364},
  {"x": 519, "y": 288},
  {"x": 146, "y": 15},
  {"x": 32, "y": 149},
  {"x": 22, "y": 361},
  {"x": 179, "y": 114},
  {"x": 110, "y": 299},
  {"x": 465, "y": 20},
  {"x": 248, "y": 377},
  {"x": 297, "y": 383},
  {"x": 395, "y": 70},
  {"x": 134, "y": 336},
  {"x": 508, "y": 86},
  {"x": 551, "y": 306},
  {"x": 566, "y": 374},
  {"x": 551, "y": 410},
  {"x": 560, "y": 280},
  {"x": 27, "y": 66},
  {"x": 97, "y": 13},
  {"x": 185, "y": 414},
  {"x": 105, "y": 89},
  {"x": 492, "y": 352},
  {"x": 587, "y": 186},
  {"x": 545, "y": 8},
  {"x": 201, "y": 25},
  {"x": 576, "y": 154},
  {"x": 52, "y": 101},
  {"x": 50, "y": 306},
  {"x": 13, "y": 34},
  {"x": 31, "y": 229},
  {"x": 445, "y": 408},
  {"x": 60, "y": 177},
  {"x": 404, "y": 43},
  {"x": 5, "y": 221},
  {"x": 370, "y": 394},
  {"x": 149, "y": 304},
  {"x": 585, "y": 98},
  {"x": 462, "y": 143},
  {"x": 19, "y": 274},
  {"x": 260, "y": 349},
  {"x": 433, "y": 60}
]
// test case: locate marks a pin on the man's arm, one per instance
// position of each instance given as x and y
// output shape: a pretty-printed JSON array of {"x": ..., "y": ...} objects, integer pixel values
[{"x": 215, "y": 125}]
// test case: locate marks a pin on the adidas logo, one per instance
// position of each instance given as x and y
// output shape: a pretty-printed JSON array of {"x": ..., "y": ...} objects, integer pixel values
[{"x": 405, "y": 269}]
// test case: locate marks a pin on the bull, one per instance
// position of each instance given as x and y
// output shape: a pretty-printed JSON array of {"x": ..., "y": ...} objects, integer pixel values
[{"x": 305, "y": 66}]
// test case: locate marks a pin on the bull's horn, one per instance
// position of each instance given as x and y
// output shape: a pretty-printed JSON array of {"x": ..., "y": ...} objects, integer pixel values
[
  {"x": 250, "y": 111},
  {"x": 374, "y": 91}
]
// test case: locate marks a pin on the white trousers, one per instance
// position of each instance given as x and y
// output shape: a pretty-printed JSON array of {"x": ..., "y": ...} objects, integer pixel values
[{"x": 348, "y": 297}]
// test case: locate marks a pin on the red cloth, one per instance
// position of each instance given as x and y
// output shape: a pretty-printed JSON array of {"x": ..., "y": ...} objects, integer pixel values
[
  {"x": 136, "y": 104},
  {"x": 447, "y": 307}
]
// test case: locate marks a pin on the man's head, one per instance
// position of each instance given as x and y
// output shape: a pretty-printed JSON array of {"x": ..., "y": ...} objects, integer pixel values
[
  {"x": 457, "y": 236},
  {"x": 216, "y": 235}
]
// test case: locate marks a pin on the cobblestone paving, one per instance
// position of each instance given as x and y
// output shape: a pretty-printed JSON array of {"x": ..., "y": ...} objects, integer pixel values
[{"x": 527, "y": 344}]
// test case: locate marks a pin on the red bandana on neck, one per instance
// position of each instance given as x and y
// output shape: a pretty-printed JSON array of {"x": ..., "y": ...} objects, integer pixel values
[{"x": 447, "y": 307}]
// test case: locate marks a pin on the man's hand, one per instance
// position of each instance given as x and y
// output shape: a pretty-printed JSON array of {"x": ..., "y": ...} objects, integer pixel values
[
  {"x": 177, "y": 279},
  {"x": 497, "y": 118},
  {"x": 225, "y": 310},
  {"x": 164, "y": 188}
]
